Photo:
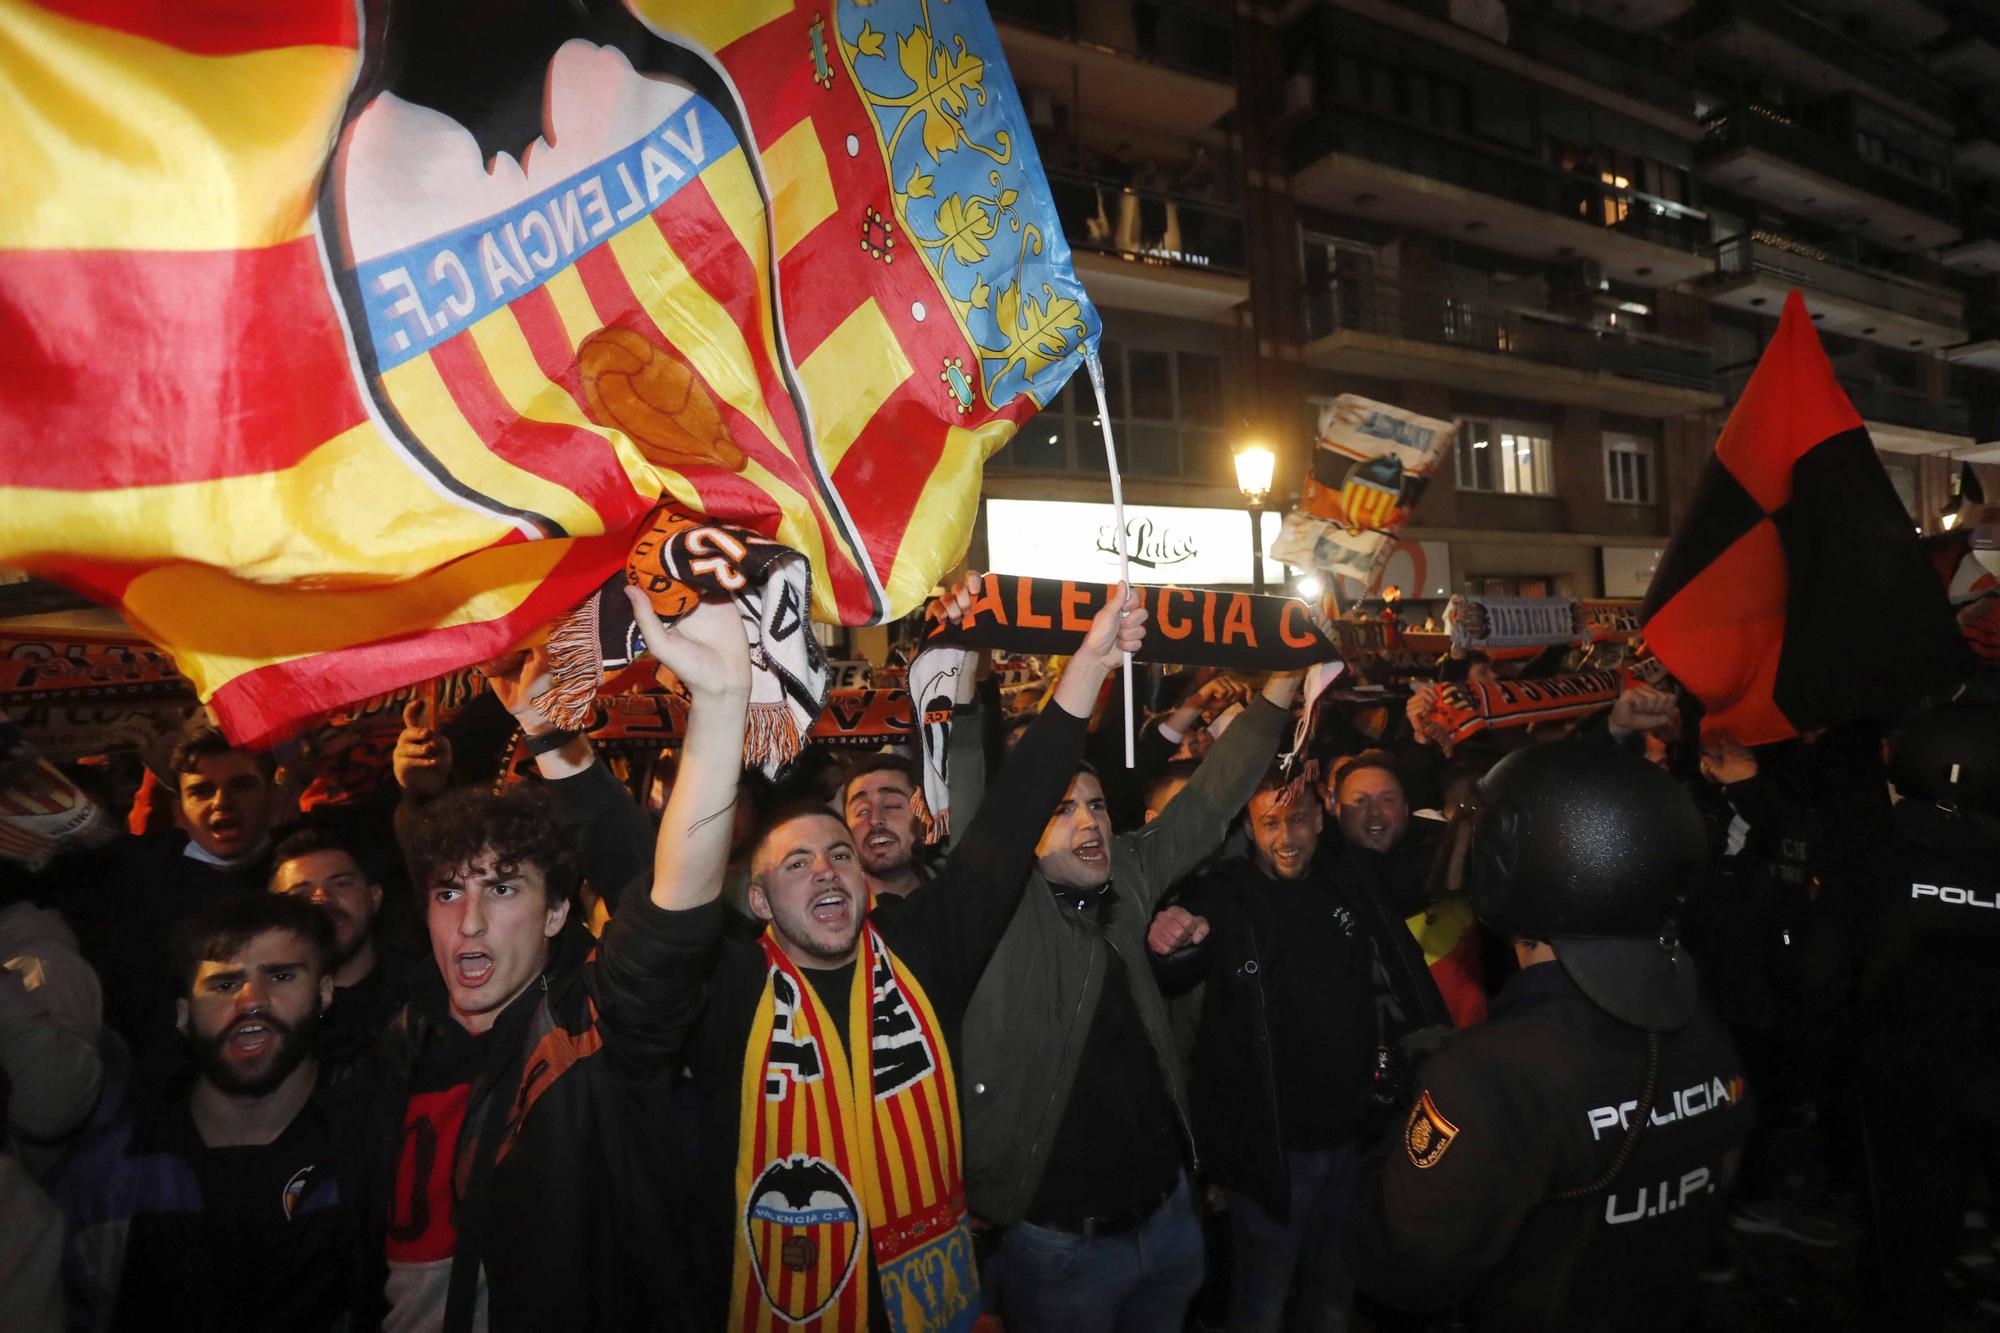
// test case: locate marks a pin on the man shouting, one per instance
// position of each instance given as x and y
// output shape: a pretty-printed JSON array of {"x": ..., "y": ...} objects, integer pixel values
[{"x": 824, "y": 1052}]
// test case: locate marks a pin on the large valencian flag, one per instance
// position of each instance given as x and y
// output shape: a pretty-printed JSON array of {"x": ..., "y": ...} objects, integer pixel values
[
  {"x": 1794, "y": 594},
  {"x": 347, "y": 343}
]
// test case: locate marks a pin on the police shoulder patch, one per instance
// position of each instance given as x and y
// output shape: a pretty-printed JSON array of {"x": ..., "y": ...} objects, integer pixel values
[{"x": 1428, "y": 1134}]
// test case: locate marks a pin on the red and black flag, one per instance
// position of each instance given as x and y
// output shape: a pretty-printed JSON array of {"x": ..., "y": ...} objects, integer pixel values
[{"x": 1794, "y": 593}]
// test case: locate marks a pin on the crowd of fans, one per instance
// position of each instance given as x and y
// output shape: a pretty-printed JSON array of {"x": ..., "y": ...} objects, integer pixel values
[{"x": 1191, "y": 1044}]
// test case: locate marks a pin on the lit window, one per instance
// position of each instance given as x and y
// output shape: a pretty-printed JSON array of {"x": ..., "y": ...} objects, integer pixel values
[{"x": 1505, "y": 458}]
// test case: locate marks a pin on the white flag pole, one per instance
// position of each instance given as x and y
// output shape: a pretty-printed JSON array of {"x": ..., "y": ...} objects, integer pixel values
[{"x": 1096, "y": 369}]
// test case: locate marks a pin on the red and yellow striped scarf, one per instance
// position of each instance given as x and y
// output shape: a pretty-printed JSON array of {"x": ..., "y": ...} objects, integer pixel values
[{"x": 846, "y": 1152}]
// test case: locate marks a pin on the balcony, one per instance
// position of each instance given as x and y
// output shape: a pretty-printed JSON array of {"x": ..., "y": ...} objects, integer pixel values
[
  {"x": 1369, "y": 166},
  {"x": 1153, "y": 63},
  {"x": 1762, "y": 153},
  {"x": 1637, "y": 65},
  {"x": 1772, "y": 36},
  {"x": 1978, "y": 154},
  {"x": 1388, "y": 331},
  {"x": 1899, "y": 420},
  {"x": 1969, "y": 56},
  {"x": 1166, "y": 254},
  {"x": 1755, "y": 271},
  {"x": 1978, "y": 251}
]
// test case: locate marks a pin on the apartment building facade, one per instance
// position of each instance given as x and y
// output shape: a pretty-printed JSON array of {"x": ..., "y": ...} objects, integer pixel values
[{"x": 1570, "y": 225}]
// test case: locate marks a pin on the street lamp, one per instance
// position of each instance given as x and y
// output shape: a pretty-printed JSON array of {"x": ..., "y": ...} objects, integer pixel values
[{"x": 1254, "y": 465}]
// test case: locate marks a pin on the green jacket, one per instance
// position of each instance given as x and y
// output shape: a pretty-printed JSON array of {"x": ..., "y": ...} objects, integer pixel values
[{"x": 1025, "y": 1030}]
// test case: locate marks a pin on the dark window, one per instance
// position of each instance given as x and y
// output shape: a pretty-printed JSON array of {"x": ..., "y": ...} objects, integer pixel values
[
  {"x": 1166, "y": 418},
  {"x": 1152, "y": 384},
  {"x": 1200, "y": 389}
]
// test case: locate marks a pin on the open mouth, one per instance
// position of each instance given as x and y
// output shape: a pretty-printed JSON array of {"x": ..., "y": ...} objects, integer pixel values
[
  {"x": 226, "y": 826},
  {"x": 1090, "y": 852},
  {"x": 250, "y": 1040},
  {"x": 880, "y": 842},
  {"x": 473, "y": 969},
  {"x": 830, "y": 909}
]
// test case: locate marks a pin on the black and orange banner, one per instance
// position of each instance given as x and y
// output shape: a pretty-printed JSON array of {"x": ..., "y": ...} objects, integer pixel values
[
  {"x": 47, "y": 665},
  {"x": 1190, "y": 626},
  {"x": 1464, "y": 708},
  {"x": 862, "y": 718}
]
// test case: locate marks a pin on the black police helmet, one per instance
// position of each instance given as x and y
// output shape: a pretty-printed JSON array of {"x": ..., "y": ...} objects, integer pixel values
[
  {"x": 1592, "y": 849},
  {"x": 1950, "y": 755}
]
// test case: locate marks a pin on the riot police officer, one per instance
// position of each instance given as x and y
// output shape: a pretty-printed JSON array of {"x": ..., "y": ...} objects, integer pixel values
[
  {"x": 1566, "y": 1160},
  {"x": 1929, "y": 1000}
]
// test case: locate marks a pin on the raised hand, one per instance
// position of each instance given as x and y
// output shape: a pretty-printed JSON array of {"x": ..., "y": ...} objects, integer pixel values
[
  {"x": 1175, "y": 928},
  {"x": 422, "y": 758},
  {"x": 1643, "y": 708},
  {"x": 1119, "y": 627},
  {"x": 1418, "y": 708},
  {"x": 708, "y": 648},
  {"x": 957, "y": 599},
  {"x": 516, "y": 679}
]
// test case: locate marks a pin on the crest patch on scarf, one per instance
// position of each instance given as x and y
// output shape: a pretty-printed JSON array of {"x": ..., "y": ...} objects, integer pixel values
[{"x": 804, "y": 1229}]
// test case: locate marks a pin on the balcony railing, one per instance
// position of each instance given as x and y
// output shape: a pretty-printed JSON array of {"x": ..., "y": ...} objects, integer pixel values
[
  {"x": 1772, "y": 131},
  {"x": 1436, "y": 316},
  {"x": 1487, "y": 170},
  {"x": 1876, "y": 401},
  {"x": 1178, "y": 36},
  {"x": 1633, "y": 63},
  {"x": 1898, "y": 78},
  {"x": 1808, "y": 266},
  {"x": 1151, "y": 226}
]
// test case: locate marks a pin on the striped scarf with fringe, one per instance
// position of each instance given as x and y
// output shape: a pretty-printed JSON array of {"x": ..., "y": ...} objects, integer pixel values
[
  {"x": 849, "y": 1149},
  {"x": 679, "y": 559}
]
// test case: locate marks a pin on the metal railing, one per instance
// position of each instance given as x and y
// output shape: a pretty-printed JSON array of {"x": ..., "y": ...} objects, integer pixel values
[
  {"x": 1770, "y": 130},
  {"x": 1805, "y": 265},
  {"x": 1875, "y": 401},
  {"x": 1637, "y": 64},
  {"x": 1898, "y": 78},
  {"x": 1183, "y": 37},
  {"x": 1489, "y": 170},
  {"x": 1153, "y": 226},
  {"x": 1433, "y": 315}
]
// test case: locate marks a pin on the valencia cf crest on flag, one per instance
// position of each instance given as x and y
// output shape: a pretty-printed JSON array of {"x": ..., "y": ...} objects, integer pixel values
[{"x": 1794, "y": 593}]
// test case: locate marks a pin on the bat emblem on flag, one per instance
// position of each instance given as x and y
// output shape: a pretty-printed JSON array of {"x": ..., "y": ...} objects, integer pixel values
[{"x": 493, "y": 247}]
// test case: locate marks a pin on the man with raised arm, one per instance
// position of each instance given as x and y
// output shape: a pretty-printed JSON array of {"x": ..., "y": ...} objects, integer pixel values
[
  {"x": 823, "y": 1053},
  {"x": 1077, "y": 1132},
  {"x": 522, "y": 1136}
]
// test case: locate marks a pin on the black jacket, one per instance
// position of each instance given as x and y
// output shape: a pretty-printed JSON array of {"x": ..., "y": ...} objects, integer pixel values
[
  {"x": 1931, "y": 974},
  {"x": 149, "y": 1249},
  {"x": 1385, "y": 890},
  {"x": 1531, "y": 1103},
  {"x": 569, "y": 1193},
  {"x": 1321, "y": 966}
]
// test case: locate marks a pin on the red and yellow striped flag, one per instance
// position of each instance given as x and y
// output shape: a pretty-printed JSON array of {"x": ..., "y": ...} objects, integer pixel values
[{"x": 342, "y": 355}]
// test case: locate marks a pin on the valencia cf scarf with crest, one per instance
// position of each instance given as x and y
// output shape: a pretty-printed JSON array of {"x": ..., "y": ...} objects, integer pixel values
[{"x": 846, "y": 1152}]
